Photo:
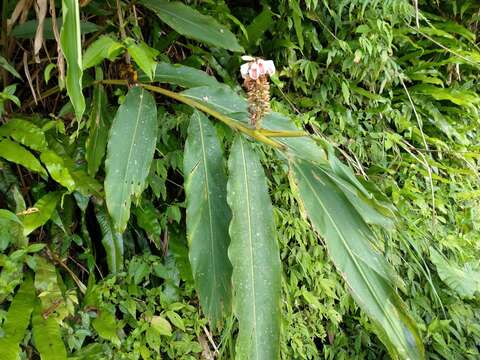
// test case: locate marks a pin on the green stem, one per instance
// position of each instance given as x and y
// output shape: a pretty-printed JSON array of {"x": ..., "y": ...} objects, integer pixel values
[
  {"x": 262, "y": 135},
  {"x": 225, "y": 119}
]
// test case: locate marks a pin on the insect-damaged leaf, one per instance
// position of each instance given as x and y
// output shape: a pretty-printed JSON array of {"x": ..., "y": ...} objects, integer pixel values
[
  {"x": 131, "y": 144},
  {"x": 208, "y": 216}
]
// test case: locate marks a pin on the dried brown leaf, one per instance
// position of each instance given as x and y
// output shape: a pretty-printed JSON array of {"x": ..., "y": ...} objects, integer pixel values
[{"x": 41, "y": 11}]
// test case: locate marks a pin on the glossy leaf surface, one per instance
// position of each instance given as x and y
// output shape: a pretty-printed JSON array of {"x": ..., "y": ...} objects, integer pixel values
[
  {"x": 25, "y": 132},
  {"x": 12, "y": 151},
  {"x": 180, "y": 75},
  {"x": 42, "y": 212},
  {"x": 103, "y": 48},
  {"x": 47, "y": 336}
]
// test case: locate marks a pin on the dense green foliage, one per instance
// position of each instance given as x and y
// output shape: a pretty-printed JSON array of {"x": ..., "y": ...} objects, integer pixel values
[{"x": 102, "y": 214}]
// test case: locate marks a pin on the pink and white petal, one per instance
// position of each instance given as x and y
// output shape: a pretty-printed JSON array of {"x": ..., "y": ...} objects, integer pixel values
[
  {"x": 253, "y": 71},
  {"x": 244, "y": 70},
  {"x": 261, "y": 67},
  {"x": 269, "y": 67}
]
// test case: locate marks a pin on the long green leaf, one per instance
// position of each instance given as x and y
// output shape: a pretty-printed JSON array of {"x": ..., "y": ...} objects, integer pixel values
[
  {"x": 46, "y": 284},
  {"x": 72, "y": 49},
  {"x": 56, "y": 167},
  {"x": 25, "y": 132},
  {"x": 254, "y": 256},
  {"x": 18, "y": 318},
  {"x": 181, "y": 75},
  {"x": 190, "y": 23},
  {"x": 28, "y": 29},
  {"x": 130, "y": 151},
  {"x": 98, "y": 130},
  {"x": 143, "y": 55},
  {"x": 112, "y": 241},
  {"x": 12, "y": 151},
  {"x": 366, "y": 273},
  {"x": 208, "y": 216},
  {"x": 43, "y": 211},
  {"x": 46, "y": 336},
  {"x": 103, "y": 48}
]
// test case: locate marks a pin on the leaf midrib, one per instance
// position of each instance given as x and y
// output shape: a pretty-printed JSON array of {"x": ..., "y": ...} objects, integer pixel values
[
  {"x": 131, "y": 145},
  {"x": 352, "y": 256},
  {"x": 212, "y": 248},
  {"x": 252, "y": 255}
]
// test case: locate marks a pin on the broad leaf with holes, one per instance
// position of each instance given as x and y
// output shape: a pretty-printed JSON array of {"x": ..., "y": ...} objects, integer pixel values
[{"x": 130, "y": 150}]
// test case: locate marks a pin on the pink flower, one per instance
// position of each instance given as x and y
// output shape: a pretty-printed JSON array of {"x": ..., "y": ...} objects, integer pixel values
[
  {"x": 269, "y": 67},
  {"x": 256, "y": 68},
  {"x": 244, "y": 70},
  {"x": 253, "y": 72}
]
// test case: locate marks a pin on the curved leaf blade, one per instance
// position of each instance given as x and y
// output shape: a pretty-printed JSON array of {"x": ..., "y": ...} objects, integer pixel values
[
  {"x": 192, "y": 24},
  {"x": 96, "y": 143},
  {"x": 56, "y": 167},
  {"x": 12, "y": 151},
  {"x": 366, "y": 273},
  {"x": 11, "y": 230},
  {"x": 72, "y": 49},
  {"x": 112, "y": 241},
  {"x": 47, "y": 337},
  {"x": 254, "y": 255},
  {"x": 18, "y": 318},
  {"x": 143, "y": 55},
  {"x": 464, "y": 281},
  {"x": 208, "y": 216},
  {"x": 103, "y": 48},
  {"x": 131, "y": 145},
  {"x": 44, "y": 209},
  {"x": 181, "y": 75},
  {"x": 26, "y": 133}
]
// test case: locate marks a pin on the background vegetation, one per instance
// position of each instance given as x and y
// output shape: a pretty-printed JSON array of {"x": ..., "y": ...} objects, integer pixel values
[{"x": 390, "y": 87}]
